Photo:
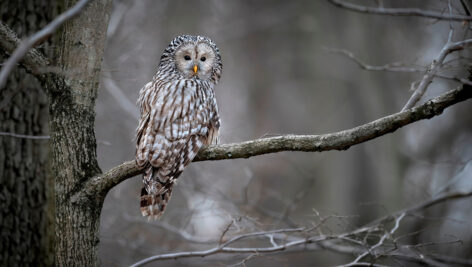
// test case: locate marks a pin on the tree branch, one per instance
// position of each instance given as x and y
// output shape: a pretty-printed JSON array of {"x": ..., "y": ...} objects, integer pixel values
[
  {"x": 393, "y": 67},
  {"x": 33, "y": 40},
  {"x": 98, "y": 186},
  {"x": 33, "y": 59},
  {"x": 399, "y": 11},
  {"x": 433, "y": 69},
  {"x": 381, "y": 241},
  {"x": 24, "y": 136},
  {"x": 327, "y": 241},
  {"x": 224, "y": 248}
]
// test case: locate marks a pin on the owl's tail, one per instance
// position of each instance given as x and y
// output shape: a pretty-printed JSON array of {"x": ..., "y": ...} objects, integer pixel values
[{"x": 154, "y": 198}]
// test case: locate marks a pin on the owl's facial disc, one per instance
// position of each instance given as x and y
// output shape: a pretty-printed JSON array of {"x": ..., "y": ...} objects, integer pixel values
[{"x": 195, "y": 60}]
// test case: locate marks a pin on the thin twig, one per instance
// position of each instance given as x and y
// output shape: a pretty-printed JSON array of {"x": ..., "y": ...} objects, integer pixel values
[
  {"x": 465, "y": 7},
  {"x": 432, "y": 202},
  {"x": 451, "y": 27},
  {"x": 399, "y": 11},
  {"x": 433, "y": 69},
  {"x": 393, "y": 67},
  {"x": 224, "y": 247},
  {"x": 225, "y": 231},
  {"x": 378, "y": 244},
  {"x": 24, "y": 136},
  {"x": 369, "y": 264},
  {"x": 323, "y": 241},
  {"x": 36, "y": 38}
]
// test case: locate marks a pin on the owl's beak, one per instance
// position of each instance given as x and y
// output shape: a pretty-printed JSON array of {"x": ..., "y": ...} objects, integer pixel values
[{"x": 195, "y": 69}]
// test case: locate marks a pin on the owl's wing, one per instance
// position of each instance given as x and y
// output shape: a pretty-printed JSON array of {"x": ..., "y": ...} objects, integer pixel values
[{"x": 180, "y": 119}]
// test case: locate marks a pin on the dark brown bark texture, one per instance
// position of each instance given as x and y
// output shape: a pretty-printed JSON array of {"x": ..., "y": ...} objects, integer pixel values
[
  {"x": 25, "y": 216},
  {"x": 73, "y": 145}
]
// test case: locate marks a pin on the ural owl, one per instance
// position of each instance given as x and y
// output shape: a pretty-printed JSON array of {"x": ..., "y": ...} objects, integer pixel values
[{"x": 178, "y": 116}]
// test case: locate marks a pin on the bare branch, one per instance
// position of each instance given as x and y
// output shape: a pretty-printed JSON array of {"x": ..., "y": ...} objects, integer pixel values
[
  {"x": 451, "y": 27},
  {"x": 433, "y": 69},
  {"x": 393, "y": 67},
  {"x": 35, "y": 39},
  {"x": 23, "y": 136},
  {"x": 466, "y": 8},
  {"x": 323, "y": 241},
  {"x": 404, "y": 252},
  {"x": 432, "y": 202},
  {"x": 224, "y": 232},
  {"x": 380, "y": 243},
  {"x": 223, "y": 248},
  {"x": 33, "y": 59},
  {"x": 437, "y": 63},
  {"x": 99, "y": 185},
  {"x": 368, "y": 264},
  {"x": 399, "y": 11}
]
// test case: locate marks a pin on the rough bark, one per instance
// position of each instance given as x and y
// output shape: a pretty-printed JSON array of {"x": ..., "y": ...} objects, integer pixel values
[
  {"x": 73, "y": 144},
  {"x": 26, "y": 232}
]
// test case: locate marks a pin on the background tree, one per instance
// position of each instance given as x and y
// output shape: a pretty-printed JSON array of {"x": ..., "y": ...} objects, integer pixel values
[
  {"x": 71, "y": 81},
  {"x": 26, "y": 218}
]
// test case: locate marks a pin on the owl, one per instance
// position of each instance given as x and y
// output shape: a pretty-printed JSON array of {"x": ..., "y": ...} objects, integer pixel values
[{"x": 178, "y": 116}]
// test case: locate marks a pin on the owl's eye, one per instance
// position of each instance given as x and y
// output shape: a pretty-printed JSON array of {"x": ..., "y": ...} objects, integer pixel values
[
  {"x": 203, "y": 58},
  {"x": 187, "y": 57}
]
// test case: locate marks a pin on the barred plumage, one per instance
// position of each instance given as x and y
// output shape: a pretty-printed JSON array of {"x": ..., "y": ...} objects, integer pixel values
[{"x": 178, "y": 115}]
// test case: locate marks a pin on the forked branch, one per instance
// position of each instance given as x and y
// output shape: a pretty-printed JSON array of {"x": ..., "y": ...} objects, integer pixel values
[
  {"x": 399, "y": 11},
  {"x": 24, "y": 47},
  {"x": 394, "y": 67},
  {"x": 33, "y": 59},
  {"x": 333, "y": 242},
  {"x": 433, "y": 69}
]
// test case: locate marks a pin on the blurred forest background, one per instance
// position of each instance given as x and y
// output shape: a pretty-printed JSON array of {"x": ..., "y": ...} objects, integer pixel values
[{"x": 280, "y": 77}]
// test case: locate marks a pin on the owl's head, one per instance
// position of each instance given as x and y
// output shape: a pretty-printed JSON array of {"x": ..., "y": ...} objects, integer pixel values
[{"x": 193, "y": 57}]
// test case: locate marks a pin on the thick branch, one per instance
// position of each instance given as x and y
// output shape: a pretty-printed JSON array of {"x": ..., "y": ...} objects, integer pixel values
[
  {"x": 35, "y": 39},
  {"x": 399, "y": 11},
  {"x": 33, "y": 59},
  {"x": 99, "y": 185}
]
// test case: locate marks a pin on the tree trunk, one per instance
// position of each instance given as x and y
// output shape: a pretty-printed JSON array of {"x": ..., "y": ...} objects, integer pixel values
[
  {"x": 73, "y": 146},
  {"x": 26, "y": 216}
]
